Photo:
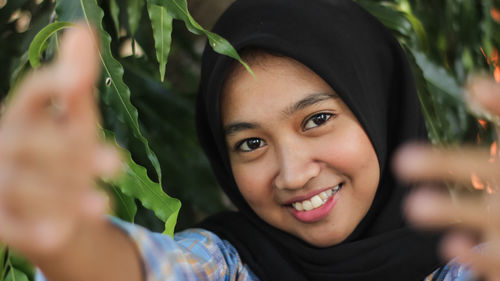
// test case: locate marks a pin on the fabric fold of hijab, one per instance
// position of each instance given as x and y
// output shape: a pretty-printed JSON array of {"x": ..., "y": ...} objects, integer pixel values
[{"x": 366, "y": 66}]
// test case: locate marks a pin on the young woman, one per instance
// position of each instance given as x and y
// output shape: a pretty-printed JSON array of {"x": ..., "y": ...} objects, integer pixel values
[{"x": 303, "y": 149}]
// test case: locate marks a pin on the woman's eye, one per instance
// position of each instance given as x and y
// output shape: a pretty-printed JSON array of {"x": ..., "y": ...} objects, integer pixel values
[
  {"x": 250, "y": 144},
  {"x": 317, "y": 120}
]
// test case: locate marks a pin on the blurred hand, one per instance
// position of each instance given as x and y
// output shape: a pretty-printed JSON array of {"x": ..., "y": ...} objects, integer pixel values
[
  {"x": 479, "y": 215},
  {"x": 50, "y": 153}
]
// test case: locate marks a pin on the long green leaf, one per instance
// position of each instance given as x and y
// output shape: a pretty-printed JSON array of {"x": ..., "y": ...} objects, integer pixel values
[
  {"x": 444, "y": 92},
  {"x": 178, "y": 9},
  {"x": 162, "y": 31},
  {"x": 135, "y": 182},
  {"x": 39, "y": 43},
  {"x": 432, "y": 121},
  {"x": 118, "y": 97},
  {"x": 134, "y": 11},
  {"x": 438, "y": 76},
  {"x": 114, "y": 10}
]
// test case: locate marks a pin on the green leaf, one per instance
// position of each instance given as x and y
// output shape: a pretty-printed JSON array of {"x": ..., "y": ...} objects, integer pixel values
[
  {"x": 428, "y": 105},
  {"x": 16, "y": 275},
  {"x": 390, "y": 16},
  {"x": 118, "y": 95},
  {"x": 135, "y": 182},
  {"x": 18, "y": 73},
  {"x": 134, "y": 11},
  {"x": 124, "y": 205},
  {"x": 178, "y": 9},
  {"x": 162, "y": 32},
  {"x": 438, "y": 76},
  {"x": 39, "y": 43},
  {"x": 22, "y": 264},
  {"x": 69, "y": 10},
  {"x": 3, "y": 261},
  {"x": 114, "y": 10},
  {"x": 419, "y": 30},
  {"x": 442, "y": 100}
]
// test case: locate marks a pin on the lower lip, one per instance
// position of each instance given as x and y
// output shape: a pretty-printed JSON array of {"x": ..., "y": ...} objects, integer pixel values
[{"x": 318, "y": 213}]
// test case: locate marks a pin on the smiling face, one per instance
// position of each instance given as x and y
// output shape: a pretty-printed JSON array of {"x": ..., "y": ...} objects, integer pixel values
[{"x": 299, "y": 156}]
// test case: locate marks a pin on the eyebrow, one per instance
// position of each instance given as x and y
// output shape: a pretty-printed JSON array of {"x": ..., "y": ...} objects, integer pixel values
[
  {"x": 308, "y": 101},
  {"x": 236, "y": 127}
]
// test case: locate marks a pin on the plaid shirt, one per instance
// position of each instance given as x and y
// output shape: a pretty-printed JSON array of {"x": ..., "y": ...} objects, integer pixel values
[{"x": 200, "y": 255}]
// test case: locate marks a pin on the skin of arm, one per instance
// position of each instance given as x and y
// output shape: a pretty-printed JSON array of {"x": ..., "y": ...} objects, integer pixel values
[{"x": 102, "y": 252}]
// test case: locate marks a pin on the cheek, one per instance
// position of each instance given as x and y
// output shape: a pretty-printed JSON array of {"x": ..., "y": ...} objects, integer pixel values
[
  {"x": 253, "y": 182},
  {"x": 350, "y": 152}
]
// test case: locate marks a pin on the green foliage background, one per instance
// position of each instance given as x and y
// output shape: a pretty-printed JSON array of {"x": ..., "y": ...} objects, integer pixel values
[{"x": 148, "y": 105}]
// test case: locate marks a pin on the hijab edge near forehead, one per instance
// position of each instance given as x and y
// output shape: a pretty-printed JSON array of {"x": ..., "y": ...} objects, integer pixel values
[{"x": 273, "y": 46}]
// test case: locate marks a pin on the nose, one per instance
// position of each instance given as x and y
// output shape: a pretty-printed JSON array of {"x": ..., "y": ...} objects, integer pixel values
[{"x": 297, "y": 166}]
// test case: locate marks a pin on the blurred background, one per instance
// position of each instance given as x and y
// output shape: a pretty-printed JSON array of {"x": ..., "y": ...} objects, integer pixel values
[{"x": 446, "y": 41}]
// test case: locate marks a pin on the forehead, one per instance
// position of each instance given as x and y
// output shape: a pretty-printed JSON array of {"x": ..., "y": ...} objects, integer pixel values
[{"x": 278, "y": 82}]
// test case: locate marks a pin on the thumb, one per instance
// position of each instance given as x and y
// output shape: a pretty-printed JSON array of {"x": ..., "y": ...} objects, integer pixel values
[{"x": 77, "y": 67}]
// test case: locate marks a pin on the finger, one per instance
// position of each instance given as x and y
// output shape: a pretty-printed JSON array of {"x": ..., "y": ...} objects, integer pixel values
[
  {"x": 429, "y": 209},
  {"x": 94, "y": 205},
  {"x": 28, "y": 194},
  {"x": 31, "y": 100},
  {"x": 35, "y": 238},
  {"x": 108, "y": 161},
  {"x": 483, "y": 260},
  {"x": 486, "y": 92},
  {"x": 420, "y": 162},
  {"x": 78, "y": 57},
  {"x": 78, "y": 62},
  {"x": 456, "y": 243}
]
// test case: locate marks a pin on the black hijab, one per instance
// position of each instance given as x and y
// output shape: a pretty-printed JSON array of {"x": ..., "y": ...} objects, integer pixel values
[{"x": 365, "y": 65}]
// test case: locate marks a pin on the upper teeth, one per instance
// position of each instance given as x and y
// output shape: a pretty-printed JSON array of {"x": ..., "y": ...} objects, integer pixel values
[{"x": 316, "y": 201}]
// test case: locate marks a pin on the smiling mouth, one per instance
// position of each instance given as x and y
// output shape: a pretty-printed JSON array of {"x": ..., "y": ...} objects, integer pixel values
[{"x": 317, "y": 200}]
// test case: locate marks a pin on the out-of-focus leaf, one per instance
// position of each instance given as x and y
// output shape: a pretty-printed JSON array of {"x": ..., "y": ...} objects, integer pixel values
[
  {"x": 390, "y": 16},
  {"x": 438, "y": 90},
  {"x": 7, "y": 10},
  {"x": 21, "y": 69},
  {"x": 118, "y": 96},
  {"x": 419, "y": 30},
  {"x": 3, "y": 266},
  {"x": 16, "y": 275},
  {"x": 124, "y": 205},
  {"x": 114, "y": 9},
  {"x": 178, "y": 9},
  {"x": 428, "y": 105},
  {"x": 69, "y": 10},
  {"x": 174, "y": 142},
  {"x": 135, "y": 182},
  {"x": 39, "y": 43},
  {"x": 438, "y": 76},
  {"x": 162, "y": 31},
  {"x": 19, "y": 262},
  {"x": 134, "y": 11}
]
